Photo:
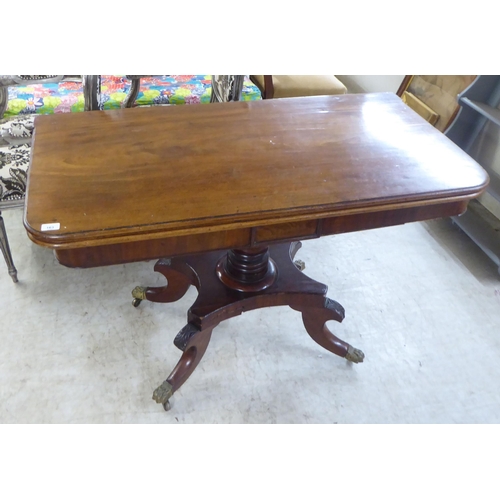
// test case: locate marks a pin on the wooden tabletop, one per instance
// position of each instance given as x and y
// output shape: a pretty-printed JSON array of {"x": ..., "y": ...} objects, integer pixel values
[{"x": 128, "y": 175}]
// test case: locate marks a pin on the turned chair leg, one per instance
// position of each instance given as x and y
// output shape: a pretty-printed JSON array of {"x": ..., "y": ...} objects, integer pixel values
[
  {"x": 92, "y": 92},
  {"x": 132, "y": 93},
  {"x": 4, "y": 245},
  {"x": 4, "y": 98}
]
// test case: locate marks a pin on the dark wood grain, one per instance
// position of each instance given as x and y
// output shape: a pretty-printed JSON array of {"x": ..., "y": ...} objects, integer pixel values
[
  {"x": 404, "y": 85},
  {"x": 195, "y": 181},
  {"x": 134, "y": 251},
  {"x": 268, "y": 87},
  {"x": 128, "y": 175}
]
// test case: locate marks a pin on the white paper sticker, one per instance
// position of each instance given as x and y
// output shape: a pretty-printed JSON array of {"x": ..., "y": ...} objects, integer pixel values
[{"x": 51, "y": 227}]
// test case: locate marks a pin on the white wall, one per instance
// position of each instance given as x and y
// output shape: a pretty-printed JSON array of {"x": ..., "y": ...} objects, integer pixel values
[{"x": 371, "y": 83}]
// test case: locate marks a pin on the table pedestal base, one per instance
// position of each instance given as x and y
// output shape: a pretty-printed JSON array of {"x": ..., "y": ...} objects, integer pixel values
[{"x": 230, "y": 283}]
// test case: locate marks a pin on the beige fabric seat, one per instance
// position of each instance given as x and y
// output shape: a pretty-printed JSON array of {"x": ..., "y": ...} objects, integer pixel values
[{"x": 277, "y": 86}]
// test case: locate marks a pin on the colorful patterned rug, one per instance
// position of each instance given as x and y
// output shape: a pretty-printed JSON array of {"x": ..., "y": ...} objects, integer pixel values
[{"x": 68, "y": 96}]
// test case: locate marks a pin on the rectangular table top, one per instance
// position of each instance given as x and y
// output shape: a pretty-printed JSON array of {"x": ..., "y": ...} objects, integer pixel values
[{"x": 107, "y": 177}]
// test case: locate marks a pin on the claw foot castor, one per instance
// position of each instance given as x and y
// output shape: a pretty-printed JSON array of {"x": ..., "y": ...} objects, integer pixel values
[
  {"x": 139, "y": 294},
  {"x": 354, "y": 355},
  {"x": 162, "y": 394},
  {"x": 299, "y": 264}
]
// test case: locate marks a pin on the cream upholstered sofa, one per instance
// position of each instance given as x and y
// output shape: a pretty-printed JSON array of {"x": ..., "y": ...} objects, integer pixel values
[{"x": 276, "y": 86}]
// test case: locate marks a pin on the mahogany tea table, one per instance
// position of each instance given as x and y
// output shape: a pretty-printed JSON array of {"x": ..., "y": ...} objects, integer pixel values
[{"x": 222, "y": 193}]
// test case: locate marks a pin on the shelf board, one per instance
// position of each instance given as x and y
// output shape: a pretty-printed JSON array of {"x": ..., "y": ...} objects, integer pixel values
[
  {"x": 483, "y": 228},
  {"x": 494, "y": 186},
  {"x": 492, "y": 114}
]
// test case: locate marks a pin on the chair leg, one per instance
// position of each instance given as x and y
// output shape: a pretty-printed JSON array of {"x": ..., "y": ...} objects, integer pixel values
[
  {"x": 4, "y": 245},
  {"x": 132, "y": 93},
  {"x": 268, "y": 87},
  {"x": 226, "y": 88},
  {"x": 4, "y": 97},
  {"x": 92, "y": 92}
]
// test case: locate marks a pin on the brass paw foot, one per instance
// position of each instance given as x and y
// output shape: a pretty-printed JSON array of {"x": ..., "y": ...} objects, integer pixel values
[
  {"x": 299, "y": 264},
  {"x": 354, "y": 355},
  {"x": 139, "y": 294},
  {"x": 162, "y": 394}
]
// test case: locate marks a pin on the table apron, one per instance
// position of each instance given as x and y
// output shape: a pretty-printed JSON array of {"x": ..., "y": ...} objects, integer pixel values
[{"x": 135, "y": 251}]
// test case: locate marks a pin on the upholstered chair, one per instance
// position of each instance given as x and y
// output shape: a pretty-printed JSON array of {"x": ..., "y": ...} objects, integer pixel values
[
  {"x": 91, "y": 87},
  {"x": 276, "y": 86},
  {"x": 15, "y": 141},
  {"x": 15, "y": 138},
  {"x": 225, "y": 88}
]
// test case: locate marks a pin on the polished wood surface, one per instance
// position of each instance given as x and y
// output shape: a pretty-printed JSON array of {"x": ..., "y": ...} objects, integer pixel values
[
  {"x": 247, "y": 171},
  {"x": 135, "y": 251},
  {"x": 191, "y": 182}
]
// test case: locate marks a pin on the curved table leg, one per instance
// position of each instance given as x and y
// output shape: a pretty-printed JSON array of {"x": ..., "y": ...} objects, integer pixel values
[
  {"x": 179, "y": 277},
  {"x": 295, "y": 246},
  {"x": 218, "y": 301},
  {"x": 315, "y": 323},
  {"x": 194, "y": 343}
]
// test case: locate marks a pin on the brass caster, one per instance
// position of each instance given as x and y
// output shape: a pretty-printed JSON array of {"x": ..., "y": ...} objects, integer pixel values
[
  {"x": 299, "y": 264},
  {"x": 354, "y": 355},
  {"x": 139, "y": 294},
  {"x": 162, "y": 395}
]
